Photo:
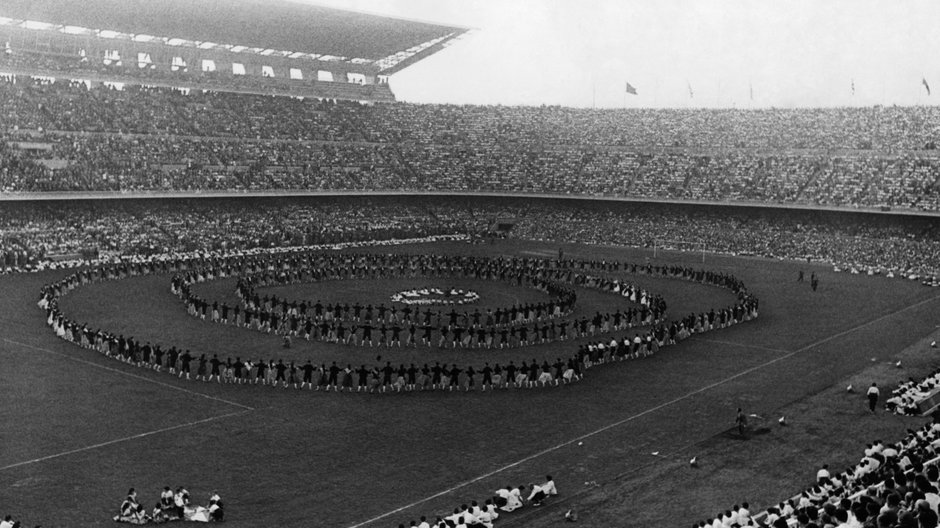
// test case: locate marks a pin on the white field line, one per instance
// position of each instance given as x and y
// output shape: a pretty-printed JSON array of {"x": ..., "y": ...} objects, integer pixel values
[
  {"x": 124, "y": 439},
  {"x": 641, "y": 414},
  {"x": 129, "y": 374}
]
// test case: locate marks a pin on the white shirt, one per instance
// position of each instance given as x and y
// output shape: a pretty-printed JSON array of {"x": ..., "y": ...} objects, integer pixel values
[
  {"x": 535, "y": 489},
  {"x": 549, "y": 487}
]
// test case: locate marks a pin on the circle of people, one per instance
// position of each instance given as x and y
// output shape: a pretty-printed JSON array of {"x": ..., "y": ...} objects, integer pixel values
[
  {"x": 503, "y": 328},
  {"x": 182, "y": 362}
]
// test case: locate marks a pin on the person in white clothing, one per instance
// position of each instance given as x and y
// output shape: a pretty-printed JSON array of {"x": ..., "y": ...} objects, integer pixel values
[
  {"x": 537, "y": 495},
  {"x": 549, "y": 486},
  {"x": 510, "y": 497},
  {"x": 873, "y": 394},
  {"x": 491, "y": 510},
  {"x": 744, "y": 516}
]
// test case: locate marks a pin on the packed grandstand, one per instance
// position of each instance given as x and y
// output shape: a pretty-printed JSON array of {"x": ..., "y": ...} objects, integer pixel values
[{"x": 109, "y": 165}]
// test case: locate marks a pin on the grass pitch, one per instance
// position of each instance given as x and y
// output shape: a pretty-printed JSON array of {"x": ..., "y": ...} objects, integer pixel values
[{"x": 79, "y": 429}]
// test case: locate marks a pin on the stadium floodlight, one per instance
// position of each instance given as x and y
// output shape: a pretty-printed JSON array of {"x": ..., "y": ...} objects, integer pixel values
[
  {"x": 238, "y": 49},
  {"x": 176, "y": 42},
  {"x": 206, "y": 45},
  {"x": 4, "y": 21},
  {"x": 108, "y": 34}
]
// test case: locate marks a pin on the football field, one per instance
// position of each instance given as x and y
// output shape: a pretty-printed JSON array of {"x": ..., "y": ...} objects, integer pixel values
[{"x": 79, "y": 428}]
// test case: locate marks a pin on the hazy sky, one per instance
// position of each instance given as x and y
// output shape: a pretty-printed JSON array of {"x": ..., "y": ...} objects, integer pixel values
[{"x": 573, "y": 53}]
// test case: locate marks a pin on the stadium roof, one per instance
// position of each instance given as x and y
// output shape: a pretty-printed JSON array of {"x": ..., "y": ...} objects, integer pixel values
[{"x": 279, "y": 25}]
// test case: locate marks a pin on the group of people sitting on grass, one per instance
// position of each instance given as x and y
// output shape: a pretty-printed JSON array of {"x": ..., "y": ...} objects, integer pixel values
[
  {"x": 172, "y": 506},
  {"x": 906, "y": 399},
  {"x": 504, "y": 500},
  {"x": 893, "y": 486},
  {"x": 8, "y": 522}
]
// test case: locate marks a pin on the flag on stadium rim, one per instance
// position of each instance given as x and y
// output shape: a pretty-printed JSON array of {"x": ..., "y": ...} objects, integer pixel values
[
  {"x": 923, "y": 81},
  {"x": 630, "y": 89},
  {"x": 853, "y": 86},
  {"x": 691, "y": 94}
]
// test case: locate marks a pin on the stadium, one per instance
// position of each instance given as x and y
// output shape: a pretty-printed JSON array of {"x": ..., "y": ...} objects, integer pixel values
[{"x": 237, "y": 269}]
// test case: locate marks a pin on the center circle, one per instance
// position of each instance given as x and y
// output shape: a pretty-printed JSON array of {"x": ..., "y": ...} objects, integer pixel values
[{"x": 434, "y": 296}]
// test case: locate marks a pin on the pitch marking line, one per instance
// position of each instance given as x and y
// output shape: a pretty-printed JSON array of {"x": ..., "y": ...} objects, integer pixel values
[
  {"x": 641, "y": 414},
  {"x": 125, "y": 439},
  {"x": 135, "y": 376},
  {"x": 742, "y": 345}
]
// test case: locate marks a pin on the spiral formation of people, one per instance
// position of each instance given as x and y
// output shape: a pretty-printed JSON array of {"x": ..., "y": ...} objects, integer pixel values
[{"x": 601, "y": 337}]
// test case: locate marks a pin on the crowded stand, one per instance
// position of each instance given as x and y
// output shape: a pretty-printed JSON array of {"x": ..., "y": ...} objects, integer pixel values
[
  {"x": 892, "y": 486},
  {"x": 53, "y": 65},
  {"x": 39, "y": 235},
  {"x": 34, "y": 235},
  {"x": 68, "y": 136},
  {"x": 911, "y": 397}
]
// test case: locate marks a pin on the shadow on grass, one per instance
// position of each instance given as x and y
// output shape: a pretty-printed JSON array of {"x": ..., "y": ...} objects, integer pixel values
[{"x": 733, "y": 434}]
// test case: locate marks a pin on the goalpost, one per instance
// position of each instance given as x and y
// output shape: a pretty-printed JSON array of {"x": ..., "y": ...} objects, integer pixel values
[{"x": 662, "y": 247}]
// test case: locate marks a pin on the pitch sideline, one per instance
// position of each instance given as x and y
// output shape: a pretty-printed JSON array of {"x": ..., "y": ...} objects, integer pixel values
[{"x": 648, "y": 411}]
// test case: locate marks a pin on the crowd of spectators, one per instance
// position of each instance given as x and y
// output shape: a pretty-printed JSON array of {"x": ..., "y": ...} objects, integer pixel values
[
  {"x": 909, "y": 395},
  {"x": 192, "y": 76},
  {"x": 66, "y": 136},
  {"x": 892, "y": 486},
  {"x": 32, "y": 233}
]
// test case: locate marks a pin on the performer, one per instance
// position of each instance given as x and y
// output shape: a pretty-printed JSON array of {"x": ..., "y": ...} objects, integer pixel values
[
  {"x": 740, "y": 420},
  {"x": 873, "y": 394}
]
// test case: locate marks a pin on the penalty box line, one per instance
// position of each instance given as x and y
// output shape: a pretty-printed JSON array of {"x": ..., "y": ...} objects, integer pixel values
[
  {"x": 644, "y": 413},
  {"x": 124, "y": 439},
  {"x": 129, "y": 374}
]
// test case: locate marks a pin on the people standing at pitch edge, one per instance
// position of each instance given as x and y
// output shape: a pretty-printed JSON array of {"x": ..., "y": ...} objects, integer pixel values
[
  {"x": 873, "y": 394},
  {"x": 740, "y": 420}
]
